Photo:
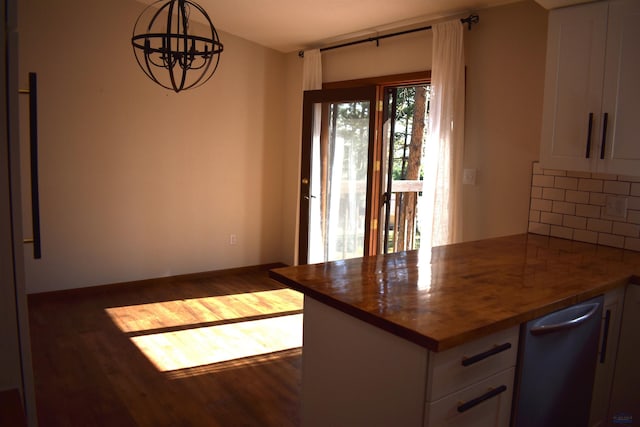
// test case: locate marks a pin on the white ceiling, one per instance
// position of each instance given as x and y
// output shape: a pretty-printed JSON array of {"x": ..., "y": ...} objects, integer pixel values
[{"x": 291, "y": 25}]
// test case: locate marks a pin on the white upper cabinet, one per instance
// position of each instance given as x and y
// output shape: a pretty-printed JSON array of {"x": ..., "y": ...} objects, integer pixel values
[
  {"x": 621, "y": 95},
  {"x": 591, "y": 98},
  {"x": 573, "y": 86}
]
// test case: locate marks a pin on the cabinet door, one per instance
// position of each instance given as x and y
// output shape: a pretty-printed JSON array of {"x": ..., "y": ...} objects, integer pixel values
[
  {"x": 624, "y": 408},
  {"x": 467, "y": 364},
  {"x": 621, "y": 102},
  {"x": 485, "y": 404},
  {"x": 356, "y": 374},
  {"x": 573, "y": 86},
  {"x": 609, "y": 333}
]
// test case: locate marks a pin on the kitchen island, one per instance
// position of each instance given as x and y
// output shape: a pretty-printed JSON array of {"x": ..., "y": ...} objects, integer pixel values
[{"x": 380, "y": 333}]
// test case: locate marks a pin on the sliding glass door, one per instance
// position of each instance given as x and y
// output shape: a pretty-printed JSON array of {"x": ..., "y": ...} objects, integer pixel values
[
  {"x": 361, "y": 181},
  {"x": 404, "y": 132},
  {"x": 337, "y": 184}
]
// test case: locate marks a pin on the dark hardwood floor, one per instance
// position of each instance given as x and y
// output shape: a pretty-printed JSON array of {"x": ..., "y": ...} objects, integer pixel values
[{"x": 89, "y": 371}]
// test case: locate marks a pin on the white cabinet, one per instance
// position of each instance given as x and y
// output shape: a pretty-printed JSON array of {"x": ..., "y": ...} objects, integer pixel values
[
  {"x": 485, "y": 404},
  {"x": 573, "y": 86},
  {"x": 472, "y": 384},
  {"x": 464, "y": 365},
  {"x": 624, "y": 406},
  {"x": 356, "y": 374},
  {"x": 591, "y": 96},
  {"x": 607, "y": 353},
  {"x": 621, "y": 95}
]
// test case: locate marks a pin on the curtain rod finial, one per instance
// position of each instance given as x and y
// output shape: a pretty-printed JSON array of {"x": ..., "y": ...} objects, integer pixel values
[{"x": 471, "y": 19}]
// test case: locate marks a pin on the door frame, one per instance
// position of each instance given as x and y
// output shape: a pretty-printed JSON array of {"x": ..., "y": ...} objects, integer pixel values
[
  {"x": 16, "y": 368},
  {"x": 312, "y": 97},
  {"x": 372, "y": 89}
]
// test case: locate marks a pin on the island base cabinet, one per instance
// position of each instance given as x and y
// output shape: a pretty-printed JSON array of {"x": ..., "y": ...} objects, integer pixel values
[
  {"x": 355, "y": 374},
  {"x": 485, "y": 404}
]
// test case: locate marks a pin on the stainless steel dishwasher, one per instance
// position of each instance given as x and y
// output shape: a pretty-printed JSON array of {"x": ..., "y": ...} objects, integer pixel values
[{"x": 556, "y": 367}]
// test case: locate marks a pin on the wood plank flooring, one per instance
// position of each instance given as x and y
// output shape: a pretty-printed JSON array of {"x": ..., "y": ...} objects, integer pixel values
[{"x": 91, "y": 370}]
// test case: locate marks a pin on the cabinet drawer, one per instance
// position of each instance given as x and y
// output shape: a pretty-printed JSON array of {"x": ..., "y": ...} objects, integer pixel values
[
  {"x": 461, "y": 366},
  {"x": 485, "y": 404}
]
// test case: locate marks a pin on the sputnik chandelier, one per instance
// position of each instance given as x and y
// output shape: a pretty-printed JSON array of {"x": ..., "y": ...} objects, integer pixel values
[{"x": 168, "y": 49}]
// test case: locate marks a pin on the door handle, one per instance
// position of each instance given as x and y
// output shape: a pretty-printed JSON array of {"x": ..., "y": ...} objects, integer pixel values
[
  {"x": 555, "y": 327},
  {"x": 481, "y": 356},
  {"x": 590, "y": 129},
  {"x": 465, "y": 406},
  {"x": 605, "y": 336},
  {"x": 33, "y": 149},
  {"x": 604, "y": 135}
]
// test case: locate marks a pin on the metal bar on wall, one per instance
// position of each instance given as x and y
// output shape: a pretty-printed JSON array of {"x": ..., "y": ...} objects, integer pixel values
[{"x": 33, "y": 151}]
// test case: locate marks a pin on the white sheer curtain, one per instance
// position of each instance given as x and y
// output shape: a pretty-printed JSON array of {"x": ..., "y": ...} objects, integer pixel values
[
  {"x": 442, "y": 194},
  {"x": 312, "y": 80},
  {"x": 312, "y": 70}
]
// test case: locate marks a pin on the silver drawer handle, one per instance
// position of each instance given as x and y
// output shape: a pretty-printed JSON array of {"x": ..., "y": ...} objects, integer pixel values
[{"x": 572, "y": 323}]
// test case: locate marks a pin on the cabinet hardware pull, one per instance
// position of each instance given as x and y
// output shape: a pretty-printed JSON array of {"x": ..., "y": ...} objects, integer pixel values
[
  {"x": 589, "y": 135},
  {"x": 605, "y": 336},
  {"x": 466, "y": 361},
  {"x": 463, "y": 407},
  {"x": 604, "y": 134},
  {"x": 33, "y": 147}
]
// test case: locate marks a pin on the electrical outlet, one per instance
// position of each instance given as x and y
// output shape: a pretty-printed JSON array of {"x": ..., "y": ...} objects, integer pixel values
[
  {"x": 233, "y": 239},
  {"x": 616, "y": 207}
]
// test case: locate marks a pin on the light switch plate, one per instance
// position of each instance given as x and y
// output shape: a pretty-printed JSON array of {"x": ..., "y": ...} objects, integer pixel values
[{"x": 469, "y": 176}]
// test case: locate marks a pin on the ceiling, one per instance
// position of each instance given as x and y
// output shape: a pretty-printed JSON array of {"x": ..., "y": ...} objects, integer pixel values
[{"x": 291, "y": 25}]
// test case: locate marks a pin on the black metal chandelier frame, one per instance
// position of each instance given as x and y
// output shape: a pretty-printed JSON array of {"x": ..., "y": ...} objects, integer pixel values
[{"x": 173, "y": 49}]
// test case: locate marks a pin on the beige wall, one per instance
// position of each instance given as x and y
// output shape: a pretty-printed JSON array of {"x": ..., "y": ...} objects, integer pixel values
[
  {"x": 139, "y": 182},
  {"x": 505, "y": 75},
  {"x": 395, "y": 55},
  {"x": 505, "y": 57},
  {"x": 136, "y": 181},
  {"x": 291, "y": 132}
]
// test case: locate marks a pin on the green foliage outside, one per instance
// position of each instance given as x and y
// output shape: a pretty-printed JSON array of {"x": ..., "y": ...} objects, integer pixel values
[
  {"x": 351, "y": 122},
  {"x": 405, "y": 106}
]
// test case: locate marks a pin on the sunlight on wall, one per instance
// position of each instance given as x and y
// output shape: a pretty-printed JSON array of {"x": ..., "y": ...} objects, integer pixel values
[{"x": 192, "y": 336}]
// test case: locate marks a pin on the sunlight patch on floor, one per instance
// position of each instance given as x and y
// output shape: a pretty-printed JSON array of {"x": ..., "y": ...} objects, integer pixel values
[
  {"x": 166, "y": 314},
  {"x": 233, "y": 364},
  {"x": 189, "y": 348},
  {"x": 205, "y": 334}
]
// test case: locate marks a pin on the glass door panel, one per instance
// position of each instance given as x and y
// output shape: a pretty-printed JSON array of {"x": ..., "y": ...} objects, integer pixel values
[
  {"x": 404, "y": 133},
  {"x": 335, "y": 184},
  {"x": 339, "y": 177}
]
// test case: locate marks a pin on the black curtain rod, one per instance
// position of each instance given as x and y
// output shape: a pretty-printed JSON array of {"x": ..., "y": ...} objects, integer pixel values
[{"x": 471, "y": 19}]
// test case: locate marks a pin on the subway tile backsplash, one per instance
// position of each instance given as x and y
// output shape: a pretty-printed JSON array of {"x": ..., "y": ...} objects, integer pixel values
[{"x": 581, "y": 206}]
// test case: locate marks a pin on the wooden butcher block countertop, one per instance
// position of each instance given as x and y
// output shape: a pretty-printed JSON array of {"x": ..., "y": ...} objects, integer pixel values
[{"x": 467, "y": 290}]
